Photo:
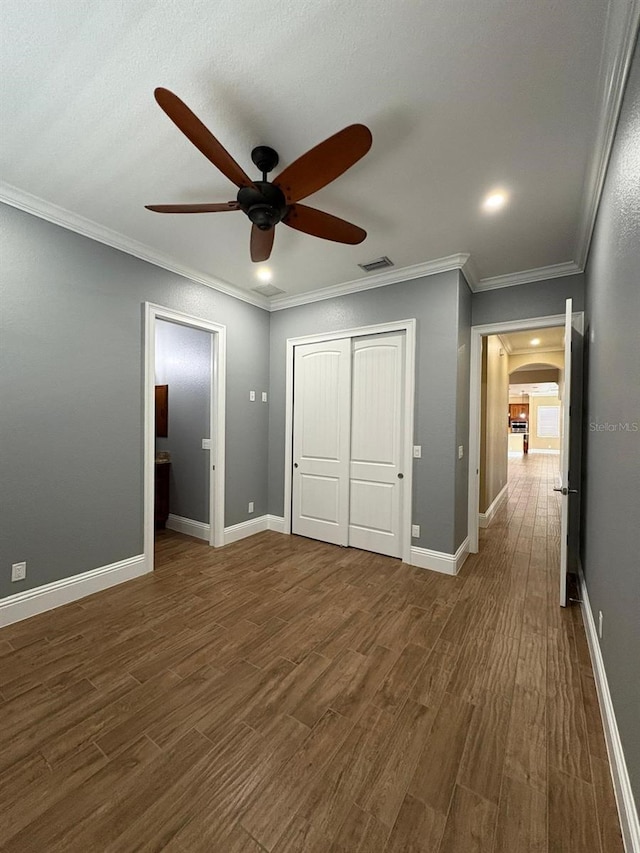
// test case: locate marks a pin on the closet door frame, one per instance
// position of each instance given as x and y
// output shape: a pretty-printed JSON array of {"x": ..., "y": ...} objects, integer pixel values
[{"x": 409, "y": 328}]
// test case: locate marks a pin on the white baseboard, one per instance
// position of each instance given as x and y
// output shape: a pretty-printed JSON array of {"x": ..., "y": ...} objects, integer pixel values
[
  {"x": 543, "y": 450},
  {"x": 275, "y": 523},
  {"x": 22, "y": 605},
  {"x": 438, "y": 561},
  {"x": 485, "y": 518},
  {"x": 187, "y": 525},
  {"x": 621, "y": 784},
  {"x": 245, "y": 528}
]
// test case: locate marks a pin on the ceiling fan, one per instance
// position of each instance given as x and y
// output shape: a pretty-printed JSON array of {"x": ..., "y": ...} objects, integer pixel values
[{"x": 268, "y": 202}]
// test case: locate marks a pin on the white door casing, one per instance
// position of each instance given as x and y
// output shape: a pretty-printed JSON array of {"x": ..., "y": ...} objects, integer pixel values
[
  {"x": 320, "y": 485},
  {"x": 216, "y": 419},
  {"x": 376, "y": 458}
]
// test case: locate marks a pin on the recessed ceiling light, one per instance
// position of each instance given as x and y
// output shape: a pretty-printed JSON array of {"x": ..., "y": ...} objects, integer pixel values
[
  {"x": 264, "y": 274},
  {"x": 494, "y": 201},
  {"x": 534, "y": 342}
]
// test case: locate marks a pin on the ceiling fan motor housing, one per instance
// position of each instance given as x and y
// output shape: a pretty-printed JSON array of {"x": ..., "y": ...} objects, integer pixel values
[{"x": 264, "y": 204}]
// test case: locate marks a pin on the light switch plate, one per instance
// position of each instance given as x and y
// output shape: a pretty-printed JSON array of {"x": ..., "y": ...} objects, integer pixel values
[
  {"x": 460, "y": 451},
  {"x": 417, "y": 451},
  {"x": 250, "y": 506},
  {"x": 264, "y": 396},
  {"x": 415, "y": 531},
  {"x": 18, "y": 571},
  {"x": 252, "y": 396},
  {"x": 206, "y": 444}
]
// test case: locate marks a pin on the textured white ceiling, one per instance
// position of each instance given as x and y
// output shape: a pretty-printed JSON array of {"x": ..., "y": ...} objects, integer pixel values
[
  {"x": 520, "y": 342},
  {"x": 461, "y": 96}
]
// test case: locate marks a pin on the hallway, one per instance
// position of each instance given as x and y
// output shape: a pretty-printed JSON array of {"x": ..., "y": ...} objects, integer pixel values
[{"x": 285, "y": 695}]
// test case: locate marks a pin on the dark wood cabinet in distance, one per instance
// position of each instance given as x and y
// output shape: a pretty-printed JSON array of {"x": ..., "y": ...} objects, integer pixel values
[{"x": 163, "y": 474}]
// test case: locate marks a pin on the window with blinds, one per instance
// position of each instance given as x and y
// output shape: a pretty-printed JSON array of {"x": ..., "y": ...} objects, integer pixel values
[{"x": 548, "y": 421}]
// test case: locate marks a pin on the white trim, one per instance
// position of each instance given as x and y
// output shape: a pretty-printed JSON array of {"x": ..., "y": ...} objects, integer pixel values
[
  {"x": 528, "y": 276},
  {"x": 409, "y": 328},
  {"x": 189, "y": 527},
  {"x": 245, "y": 528},
  {"x": 438, "y": 561},
  {"x": 485, "y": 518},
  {"x": 382, "y": 279},
  {"x": 50, "y": 212},
  {"x": 627, "y": 812},
  {"x": 153, "y": 313},
  {"x": 16, "y": 197},
  {"x": 275, "y": 523},
  {"x": 23, "y": 605},
  {"x": 544, "y": 450},
  {"x": 477, "y": 333},
  {"x": 623, "y": 20}
]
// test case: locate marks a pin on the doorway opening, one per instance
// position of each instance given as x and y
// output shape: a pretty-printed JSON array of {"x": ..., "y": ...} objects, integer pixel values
[
  {"x": 184, "y": 426},
  {"x": 524, "y": 438},
  {"x": 520, "y": 408}
]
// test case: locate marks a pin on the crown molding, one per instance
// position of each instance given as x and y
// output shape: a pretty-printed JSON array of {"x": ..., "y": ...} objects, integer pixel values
[
  {"x": 452, "y": 262},
  {"x": 534, "y": 350},
  {"x": 623, "y": 21},
  {"x": 528, "y": 276},
  {"x": 88, "y": 228},
  {"x": 470, "y": 272}
]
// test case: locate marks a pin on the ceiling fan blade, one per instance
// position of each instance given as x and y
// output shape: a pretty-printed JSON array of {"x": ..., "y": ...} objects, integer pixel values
[
  {"x": 324, "y": 163},
  {"x": 261, "y": 243},
  {"x": 194, "y": 208},
  {"x": 202, "y": 138},
  {"x": 324, "y": 225}
]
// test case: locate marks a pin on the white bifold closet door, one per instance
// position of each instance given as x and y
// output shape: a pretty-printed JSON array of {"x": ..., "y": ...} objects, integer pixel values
[
  {"x": 347, "y": 442},
  {"x": 321, "y": 423}
]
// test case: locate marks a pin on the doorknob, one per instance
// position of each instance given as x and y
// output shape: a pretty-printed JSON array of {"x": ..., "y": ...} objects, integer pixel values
[
  {"x": 565, "y": 491},
  {"x": 401, "y": 476},
  {"x": 295, "y": 464}
]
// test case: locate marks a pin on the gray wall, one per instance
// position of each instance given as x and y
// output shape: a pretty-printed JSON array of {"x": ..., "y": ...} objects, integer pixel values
[
  {"x": 71, "y": 419},
  {"x": 433, "y": 301},
  {"x": 611, "y": 486},
  {"x": 183, "y": 362},
  {"x": 539, "y": 299}
]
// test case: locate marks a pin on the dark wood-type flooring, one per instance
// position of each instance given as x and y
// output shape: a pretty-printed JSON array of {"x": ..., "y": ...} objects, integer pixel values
[{"x": 286, "y": 695}]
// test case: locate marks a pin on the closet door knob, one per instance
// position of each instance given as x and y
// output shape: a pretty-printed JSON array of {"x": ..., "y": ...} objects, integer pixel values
[
  {"x": 401, "y": 476},
  {"x": 295, "y": 464}
]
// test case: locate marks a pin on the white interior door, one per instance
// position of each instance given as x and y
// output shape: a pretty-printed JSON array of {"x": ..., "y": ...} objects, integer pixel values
[
  {"x": 565, "y": 453},
  {"x": 321, "y": 425},
  {"x": 375, "y": 477}
]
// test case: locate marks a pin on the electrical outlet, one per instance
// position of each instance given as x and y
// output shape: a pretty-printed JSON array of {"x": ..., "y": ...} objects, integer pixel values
[
  {"x": 415, "y": 531},
  {"x": 264, "y": 396},
  {"x": 417, "y": 451},
  {"x": 250, "y": 506},
  {"x": 600, "y": 623},
  {"x": 252, "y": 396},
  {"x": 206, "y": 444},
  {"x": 460, "y": 451},
  {"x": 18, "y": 571}
]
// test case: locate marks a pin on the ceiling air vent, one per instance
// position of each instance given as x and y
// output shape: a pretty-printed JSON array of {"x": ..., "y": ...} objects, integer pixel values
[
  {"x": 378, "y": 264},
  {"x": 267, "y": 290}
]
